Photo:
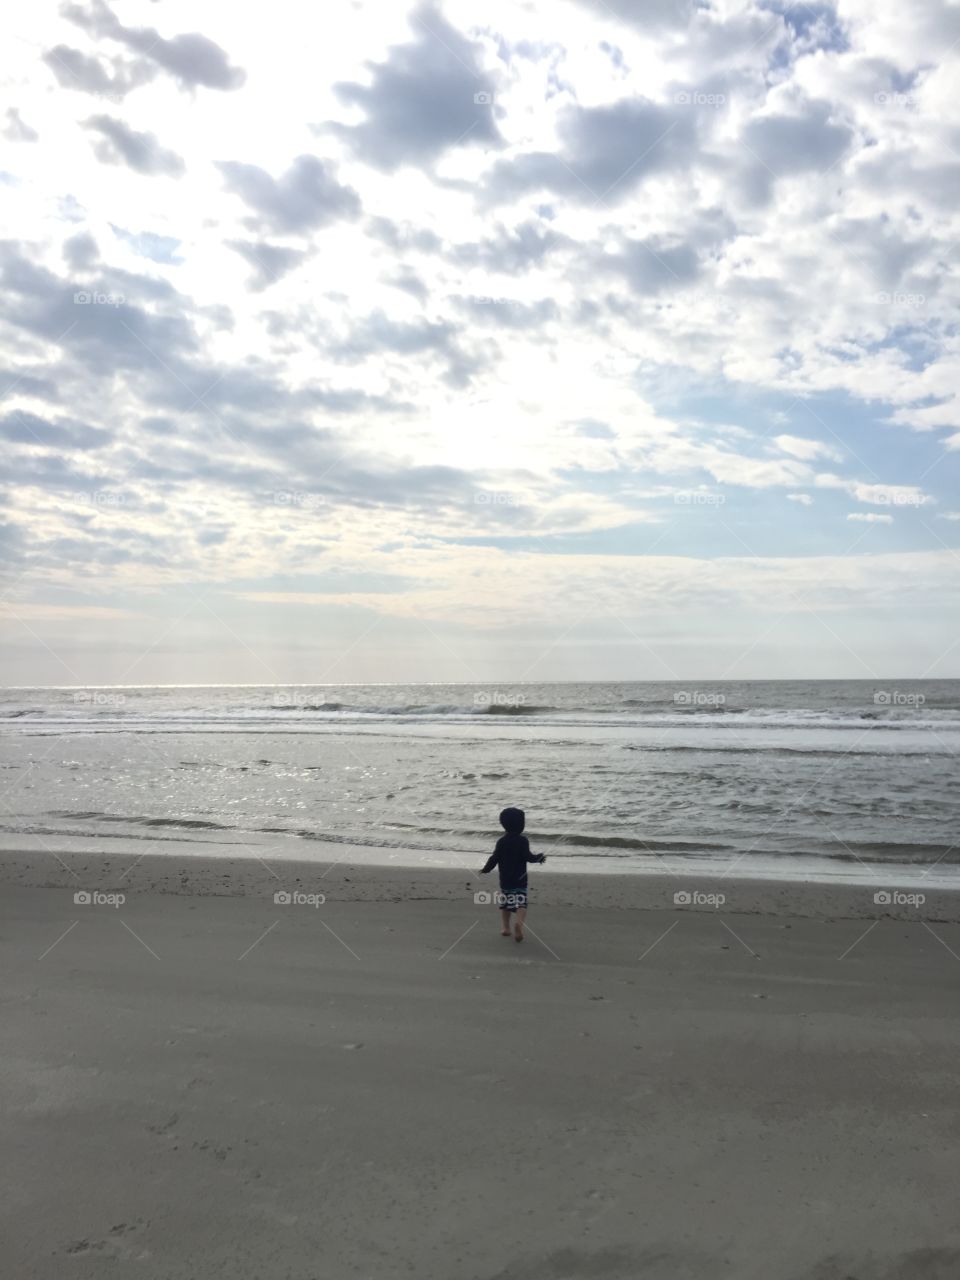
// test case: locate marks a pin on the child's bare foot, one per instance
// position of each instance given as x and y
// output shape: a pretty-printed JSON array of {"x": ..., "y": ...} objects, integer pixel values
[
  {"x": 518, "y": 931},
  {"x": 504, "y": 933}
]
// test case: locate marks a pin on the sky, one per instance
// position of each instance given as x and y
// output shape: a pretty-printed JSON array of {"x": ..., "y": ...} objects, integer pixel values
[{"x": 583, "y": 339}]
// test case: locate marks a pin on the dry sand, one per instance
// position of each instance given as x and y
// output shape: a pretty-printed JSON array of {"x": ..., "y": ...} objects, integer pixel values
[{"x": 202, "y": 1083}]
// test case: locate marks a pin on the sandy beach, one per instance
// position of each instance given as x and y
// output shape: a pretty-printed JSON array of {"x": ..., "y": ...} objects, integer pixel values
[{"x": 201, "y": 1081}]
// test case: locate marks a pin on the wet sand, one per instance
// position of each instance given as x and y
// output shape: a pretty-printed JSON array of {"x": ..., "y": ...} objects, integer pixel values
[{"x": 203, "y": 1082}]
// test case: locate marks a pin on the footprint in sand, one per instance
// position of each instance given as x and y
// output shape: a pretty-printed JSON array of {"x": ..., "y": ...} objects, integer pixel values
[
  {"x": 220, "y": 1153},
  {"x": 112, "y": 1245},
  {"x": 165, "y": 1126}
]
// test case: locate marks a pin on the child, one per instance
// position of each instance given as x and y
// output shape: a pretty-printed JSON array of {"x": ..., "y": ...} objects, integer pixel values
[{"x": 511, "y": 855}]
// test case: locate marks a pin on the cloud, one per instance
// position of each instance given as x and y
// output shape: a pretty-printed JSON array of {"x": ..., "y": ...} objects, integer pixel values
[
  {"x": 141, "y": 326},
  {"x": 378, "y": 333},
  {"x": 780, "y": 145},
  {"x": 806, "y": 450},
  {"x": 141, "y": 152},
  {"x": 409, "y": 282},
  {"x": 404, "y": 237},
  {"x": 870, "y": 517},
  {"x": 81, "y": 251},
  {"x": 16, "y": 128},
  {"x": 192, "y": 59},
  {"x": 649, "y": 15},
  {"x": 888, "y": 494},
  {"x": 946, "y": 413},
  {"x": 651, "y": 265},
  {"x": 464, "y": 586},
  {"x": 513, "y": 250},
  {"x": 83, "y": 73},
  {"x": 26, "y": 384},
  {"x": 30, "y": 611},
  {"x": 305, "y": 197},
  {"x": 270, "y": 262},
  {"x": 803, "y": 499},
  {"x": 21, "y": 427},
  {"x": 430, "y": 96},
  {"x": 605, "y": 153},
  {"x": 877, "y": 494},
  {"x": 508, "y": 313},
  {"x": 47, "y": 471}
]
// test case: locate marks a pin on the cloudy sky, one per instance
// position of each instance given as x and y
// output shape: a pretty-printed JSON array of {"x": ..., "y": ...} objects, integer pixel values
[{"x": 546, "y": 340}]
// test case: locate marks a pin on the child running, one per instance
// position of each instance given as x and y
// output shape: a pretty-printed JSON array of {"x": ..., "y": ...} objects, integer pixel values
[{"x": 511, "y": 855}]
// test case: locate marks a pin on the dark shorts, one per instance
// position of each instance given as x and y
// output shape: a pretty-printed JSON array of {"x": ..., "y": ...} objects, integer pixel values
[{"x": 510, "y": 899}]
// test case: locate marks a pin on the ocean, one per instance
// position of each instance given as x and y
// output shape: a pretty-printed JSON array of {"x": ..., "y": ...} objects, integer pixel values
[{"x": 791, "y": 778}]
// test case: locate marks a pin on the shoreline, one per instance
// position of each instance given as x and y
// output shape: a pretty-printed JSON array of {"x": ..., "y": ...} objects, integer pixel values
[{"x": 340, "y": 876}]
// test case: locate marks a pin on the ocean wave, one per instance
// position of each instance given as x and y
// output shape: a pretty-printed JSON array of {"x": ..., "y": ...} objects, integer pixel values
[
  {"x": 136, "y": 820},
  {"x": 558, "y": 844},
  {"x": 757, "y": 714},
  {"x": 778, "y": 749},
  {"x": 913, "y": 855},
  {"x": 514, "y": 709},
  {"x": 307, "y": 706},
  {"x": 265, "y": 722},
  {"x": 932, "y": 745}
]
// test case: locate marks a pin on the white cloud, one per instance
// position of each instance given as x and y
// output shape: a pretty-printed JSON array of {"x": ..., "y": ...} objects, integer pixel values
[
  {"x": 884, "y": 495},
  {"x": 807, "y": 450},
  {"x": 31, "y": 611}
]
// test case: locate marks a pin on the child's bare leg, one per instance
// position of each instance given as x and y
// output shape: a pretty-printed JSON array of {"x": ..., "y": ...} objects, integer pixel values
[
  {"x": 505, "y": 923},
  {"x": 518, "y": 926}
]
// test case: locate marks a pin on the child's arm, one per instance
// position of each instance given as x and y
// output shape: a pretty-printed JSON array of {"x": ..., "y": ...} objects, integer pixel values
[
  {"x": 490, "y": 863},
  {"x": 535, "y": 857}
]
